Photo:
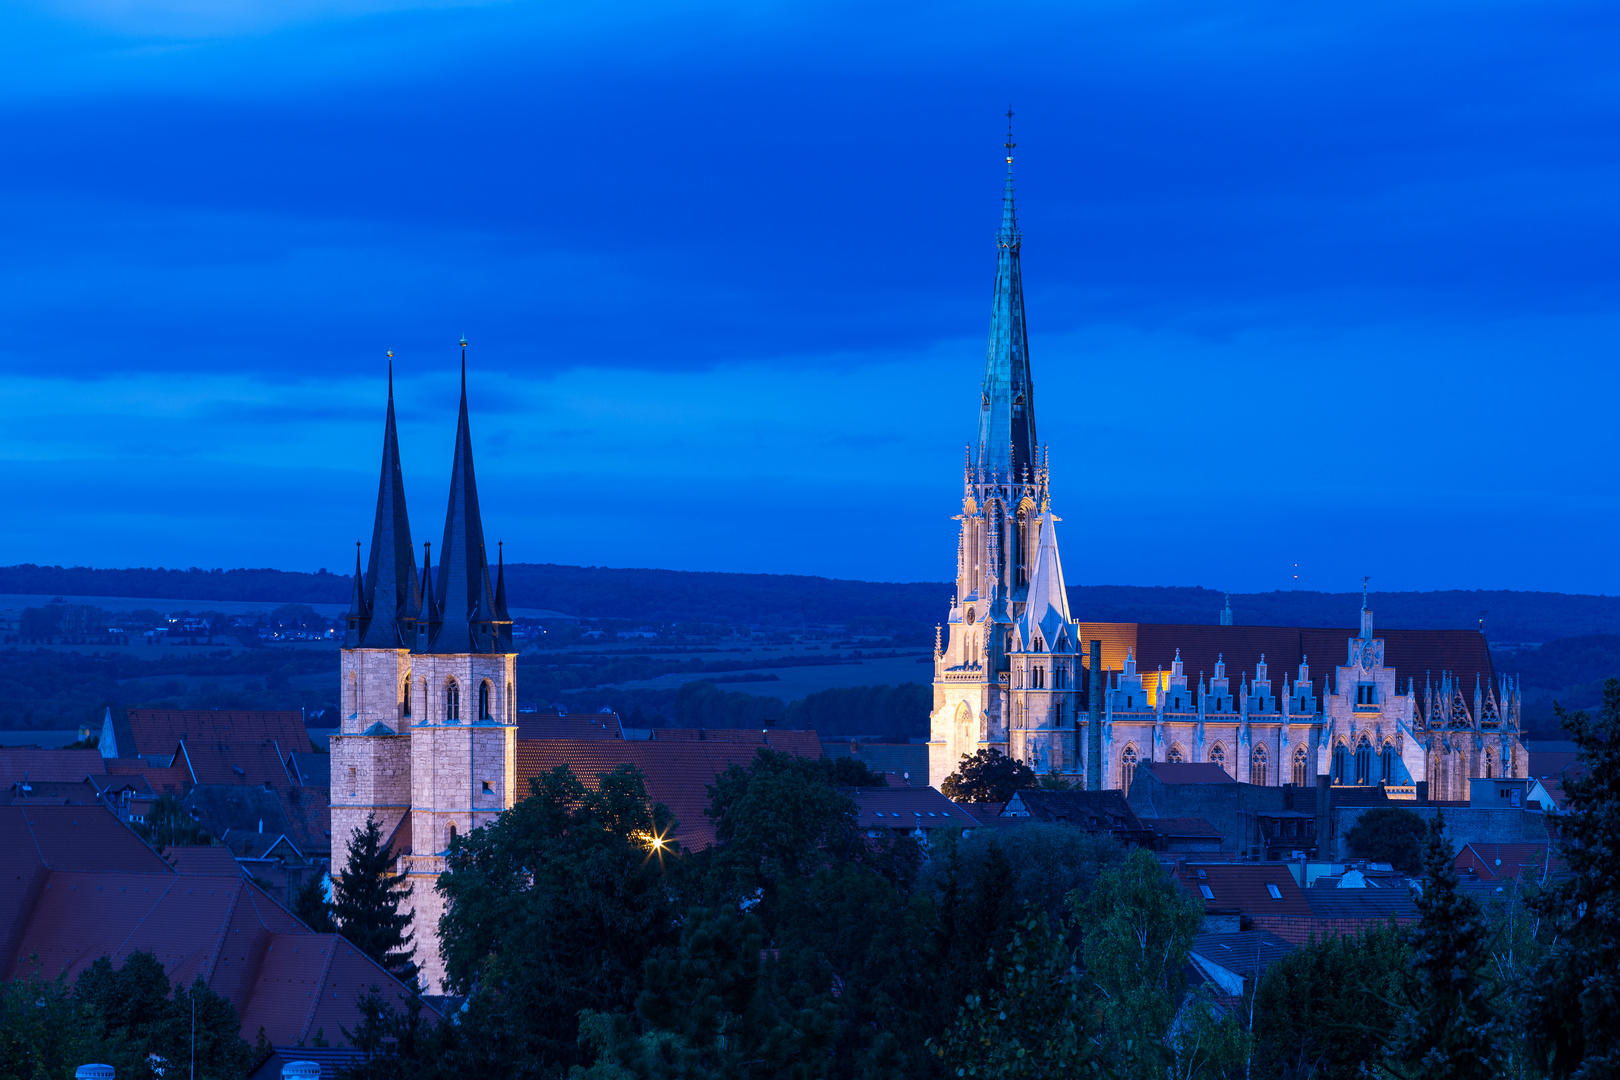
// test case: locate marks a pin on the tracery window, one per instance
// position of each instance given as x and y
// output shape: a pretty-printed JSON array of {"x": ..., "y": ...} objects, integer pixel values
[
  {"x": 1341, "y": 760},
  {"x": 1217, "y": 756},
  {"x": 1175, "y": 754},
  {"x": 1127, "y": 768},
  {"x": 1364, "y": 762},
  {"x": 1490, "y": 763},
  {"x": 1387, "y": 765},
  {"x": 452, "y": 701},
  {"x": 1301, "y": 777},
  {"x": 1257, "y": 765}
]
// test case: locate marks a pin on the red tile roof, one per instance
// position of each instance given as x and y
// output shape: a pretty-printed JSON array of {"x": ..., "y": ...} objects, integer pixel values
[
  {"x": 203, "y": 861},
  {"x": 172, "y": 780},
  {"x": 572, "y": 726},
  {"x": 1243, "y": 887},
  {"x": 678, "y": 771},
  {"x": 72, "y": 838},
  {"x": 20, "y": 762},
  {"x": 1411, "y": 653},
  {"x": 1502, "y": 862},
  {"x": 909, "y": 808},
  {"x": 256, "y": 762},
  {"x": 159, "y": 731},
  {"x": 1201, "y": 772},
  {"x": 204, "y": 923}
]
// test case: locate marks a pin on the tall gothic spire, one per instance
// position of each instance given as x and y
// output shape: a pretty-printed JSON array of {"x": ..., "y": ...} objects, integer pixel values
[
  {"x": 1046, "y": 611},
  {"x": 1007, "y": 402},
  {"x": 465, "y": 601},
  {"x": 390, "y": 597}
]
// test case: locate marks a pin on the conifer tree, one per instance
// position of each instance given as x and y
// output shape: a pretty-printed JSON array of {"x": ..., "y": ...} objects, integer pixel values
[
  {"x": 1450, "y": 1031},
  {"x": 1576, "y": 987},
  {"x": 367, "y": 899},
  {"x": 310, "y": 905}
]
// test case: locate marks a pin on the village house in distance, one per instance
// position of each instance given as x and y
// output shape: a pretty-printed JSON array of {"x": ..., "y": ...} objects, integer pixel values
[{"x": 1014, "y": 671}]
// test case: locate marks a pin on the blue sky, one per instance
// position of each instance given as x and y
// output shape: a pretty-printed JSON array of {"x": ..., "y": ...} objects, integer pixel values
[{"x": 1333, "y": 285}]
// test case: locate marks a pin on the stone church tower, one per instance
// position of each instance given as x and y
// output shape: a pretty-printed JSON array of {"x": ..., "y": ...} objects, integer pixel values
[
  {"x": 428, "y": 738},
  {"x": 1004, "y": 677}
]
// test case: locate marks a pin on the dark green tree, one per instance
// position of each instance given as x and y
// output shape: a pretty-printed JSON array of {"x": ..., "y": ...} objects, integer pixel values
[
  {"x": 366, "y": 901},
  {"x": 1034, "y": 1017},
  {"x": 707, "y": 1011},
  {"x": 777, "y": 820},
  {"x": 134, "y": 1009},
  {"x": 169, "y": 824},
  {"x": 554, "y": 909},
  {"x": 1572, "y": 1008},
  {"x": 310, "y": 905},
  {"x": 1449, "y": 1030},
  {"x": 987, "y": 776},
  {"x": 1388, "y": 834},
  {"x": 398, "y": 1045},
  {"x": 46, "y": 1032},
  {"x": 1329, "y": 1007},
  {"x": 1136, "y": 930}
]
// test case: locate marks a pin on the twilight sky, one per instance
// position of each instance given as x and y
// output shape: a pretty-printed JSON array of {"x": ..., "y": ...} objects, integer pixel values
[{"x": 1333, "y": 285}]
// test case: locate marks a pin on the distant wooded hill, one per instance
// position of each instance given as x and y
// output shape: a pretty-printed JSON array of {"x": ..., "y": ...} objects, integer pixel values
[{"x": 660, "y": 596}]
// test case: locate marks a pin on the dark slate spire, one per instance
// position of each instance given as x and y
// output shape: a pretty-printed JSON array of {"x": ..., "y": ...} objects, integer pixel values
[
  {"x": 391, "y": 594},
  {"x": 464, "y": 599},
  {"x": 500, "y": 580},
  {"x": 427, "y": 619},
  {"x": 1007, "y": 404},
  {"x": 358, "y": 611}
]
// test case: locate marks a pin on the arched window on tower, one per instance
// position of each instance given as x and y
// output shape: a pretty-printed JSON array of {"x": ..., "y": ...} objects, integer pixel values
[
  {"x": 1257, "y": 765},
  {"x": 1302, "y": 775},
  {"x": 451, "y": 842},
  {"x": 1387, "y": 763},
  {"x": 1174, "y": 756},
  {"x": 1364, "y": 762},
  {"x": 405, "y": 698},
  {"x": 1490, "y": 765},
  {"x": 1341, "y": 759},
  {"x": 452, "y": 702},
  {"x": 483, "y": 701},
  {"x": 1217, "y": 756},
  {"x": 1127, "y": 768}
]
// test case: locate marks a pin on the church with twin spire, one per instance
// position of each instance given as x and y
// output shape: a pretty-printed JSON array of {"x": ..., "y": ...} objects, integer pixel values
[
  {"x": 1015, "y": 671},
  {"x": 427, "y": 743}
]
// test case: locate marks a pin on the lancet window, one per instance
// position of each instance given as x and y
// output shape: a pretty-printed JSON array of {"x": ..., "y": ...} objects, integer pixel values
[
  {"x": 452, "y": 701},
  {"x": 1257, "y": 765}
]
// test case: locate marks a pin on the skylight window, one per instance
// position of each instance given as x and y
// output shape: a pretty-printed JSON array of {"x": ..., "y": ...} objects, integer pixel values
[
  {"x": 1276, "y": 893},
  {"x": 1208, "y": 893}
]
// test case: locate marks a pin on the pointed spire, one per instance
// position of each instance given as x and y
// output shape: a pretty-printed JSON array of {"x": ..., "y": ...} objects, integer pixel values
[
  {"x": 391, "y": 595},
  {"x": 1007, "y": 401},
  {"x": 464, "y": 599},
  {"x": 500, "y": 581},
  {"x": 357, "y": 596},
  {"x": 1046, "y": 605}
]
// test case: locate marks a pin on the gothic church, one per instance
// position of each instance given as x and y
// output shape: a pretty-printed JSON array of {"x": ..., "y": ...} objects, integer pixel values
[
  {"x": 1015, "y": 671},
  {"x": 428, "y": 737}
]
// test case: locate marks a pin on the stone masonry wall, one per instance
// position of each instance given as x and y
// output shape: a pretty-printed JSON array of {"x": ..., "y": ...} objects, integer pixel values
[{"x": 1464, "y": 825}]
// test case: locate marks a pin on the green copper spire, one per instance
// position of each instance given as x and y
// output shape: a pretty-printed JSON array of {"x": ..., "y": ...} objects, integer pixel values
[{"x": 1007, "y": 403}]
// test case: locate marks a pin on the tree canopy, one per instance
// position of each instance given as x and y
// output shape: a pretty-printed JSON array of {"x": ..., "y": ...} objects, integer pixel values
[{"x": 987, "y": 776}]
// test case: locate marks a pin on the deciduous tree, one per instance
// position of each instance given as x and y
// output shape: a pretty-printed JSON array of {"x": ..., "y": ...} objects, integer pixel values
[
  {"x": 1571, "y": 1013},
  {"x": 987, "y": 776},
  {"x": 1388, "y": 834}
]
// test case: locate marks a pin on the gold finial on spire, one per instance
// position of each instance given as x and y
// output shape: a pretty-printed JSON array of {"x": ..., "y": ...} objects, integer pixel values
[{"x": 1009, "y": 143}]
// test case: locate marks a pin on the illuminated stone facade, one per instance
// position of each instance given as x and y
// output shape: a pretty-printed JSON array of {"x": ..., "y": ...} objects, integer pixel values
[
  {"x": 1010, "y": 668},
  {"x": 429, "y": 693}
]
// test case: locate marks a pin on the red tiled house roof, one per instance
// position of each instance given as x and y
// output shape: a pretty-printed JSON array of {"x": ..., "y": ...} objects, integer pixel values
[
  {"x": 259, "y": 763},
  {"x": 1201, "y": 772},
  {"x": 909, "y": 808},
  {"x": 159, "y": 731},
  {"x": 572, "y": 726},
  {"x": 1183, "y": 827},
  {"x": 77, "y": 885},
  {"x": 1243, "y": 887},
  {"x": 20, "y": 762},
  {"x": 1411, "y": 653},
  {"x": 678, "y": 771},
  {"x": 1502, "y": 862}
]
